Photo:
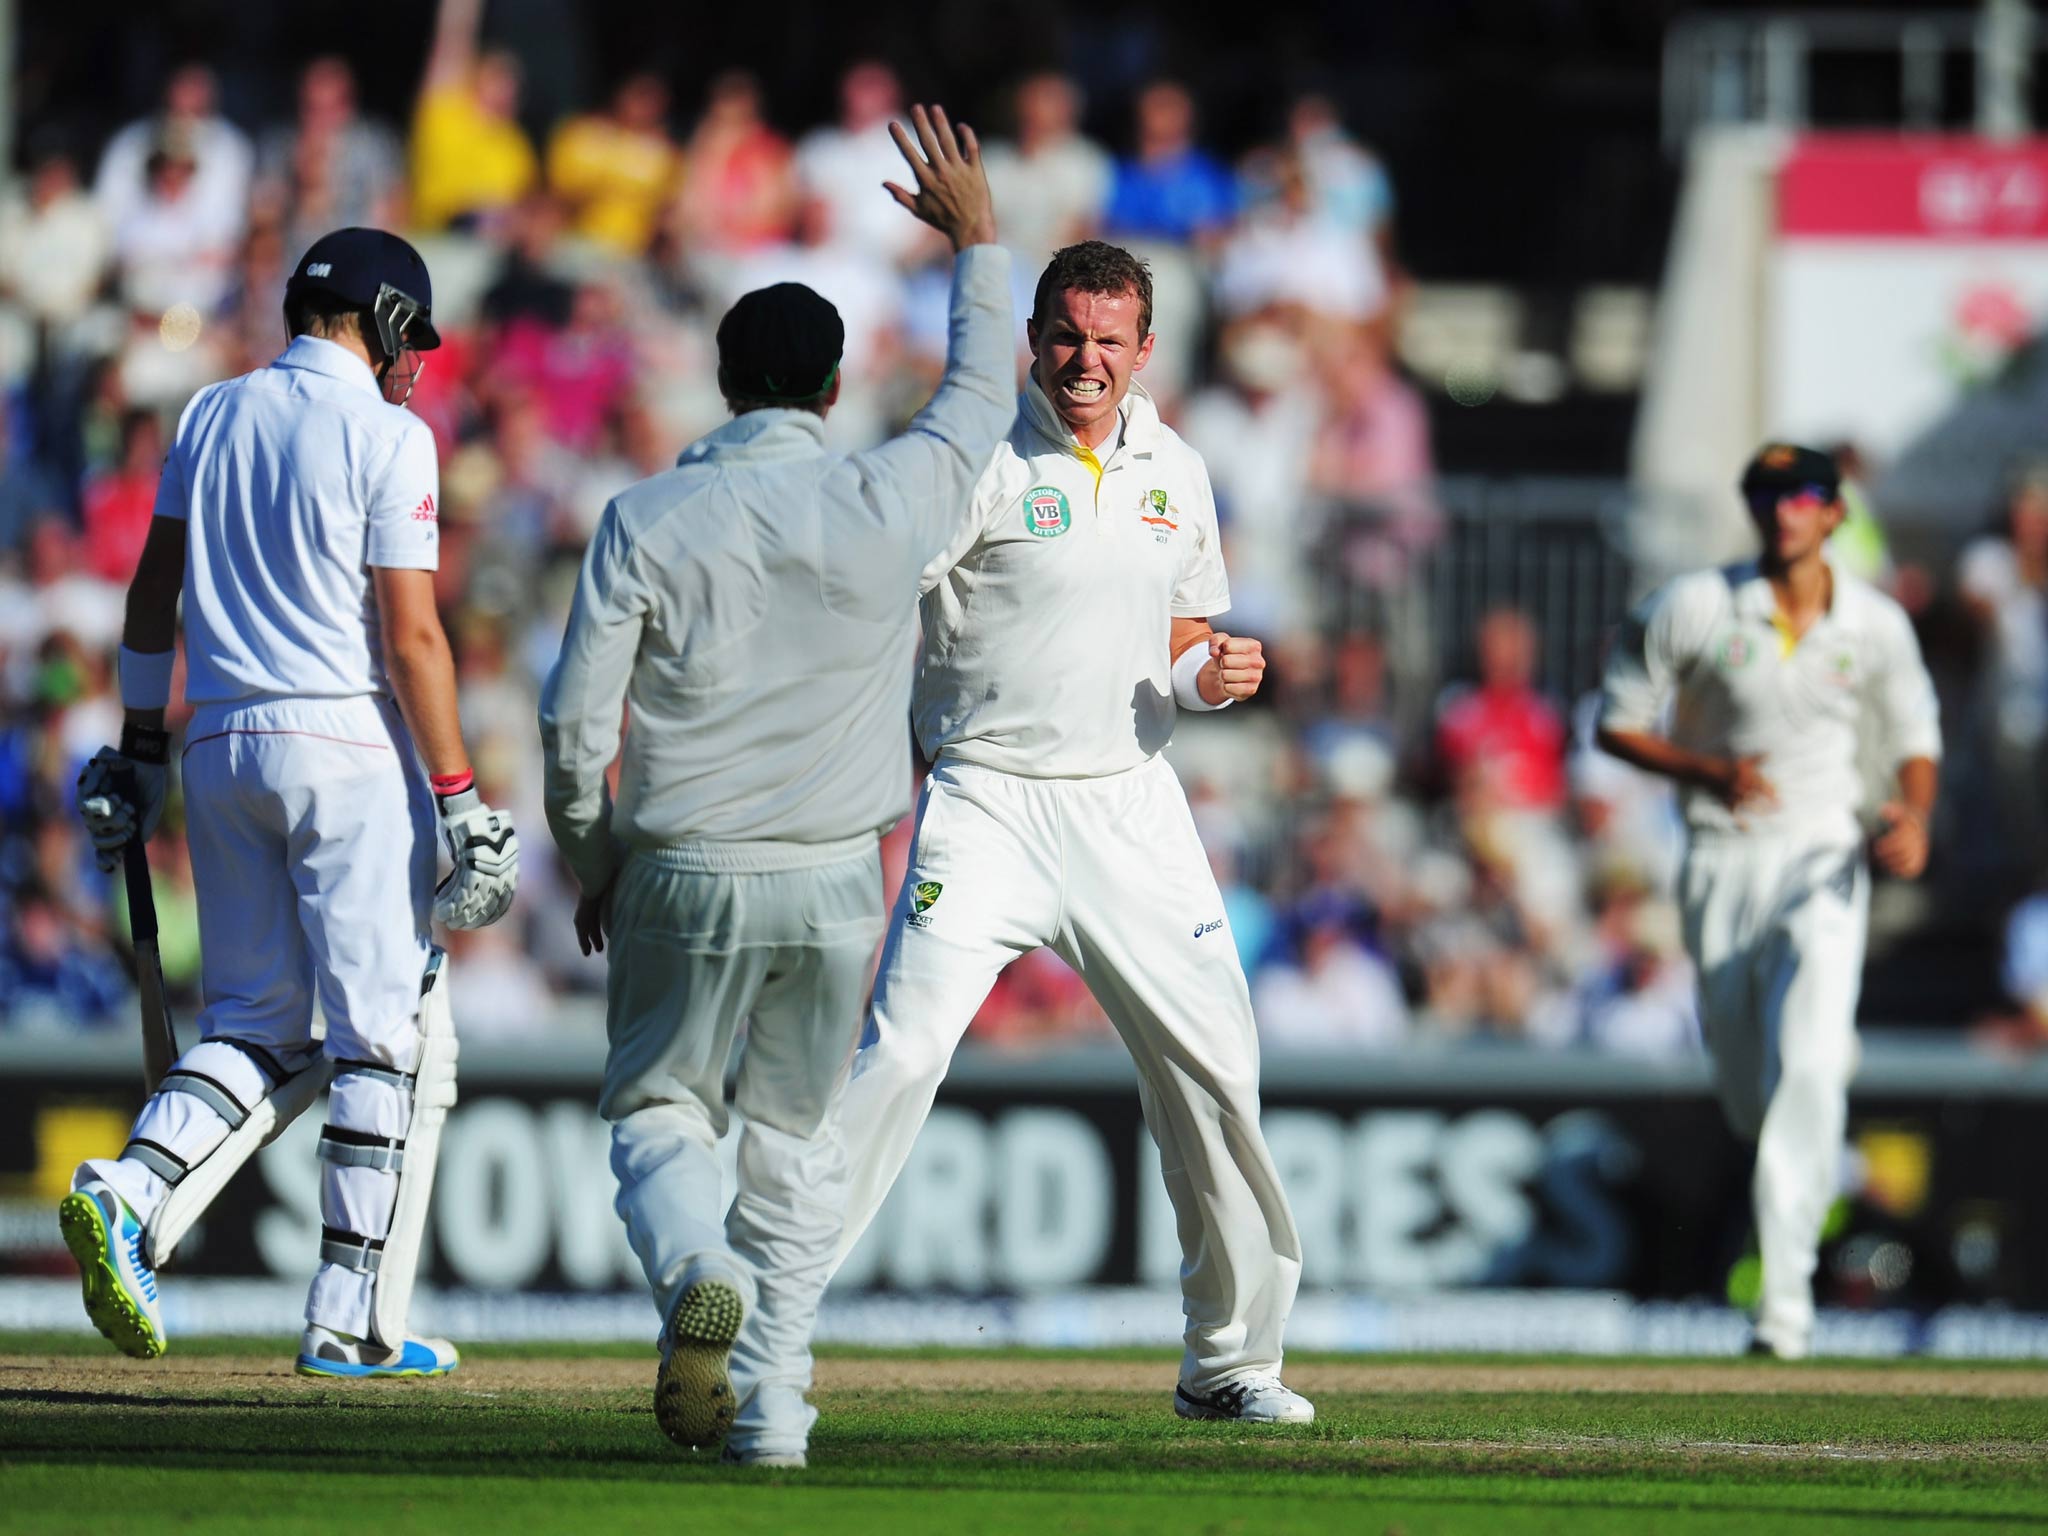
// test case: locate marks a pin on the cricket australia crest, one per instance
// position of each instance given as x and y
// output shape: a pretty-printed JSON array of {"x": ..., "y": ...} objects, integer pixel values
[
  {"x": 1157, "y": 512},
  {"x": 922, "y": 896}
]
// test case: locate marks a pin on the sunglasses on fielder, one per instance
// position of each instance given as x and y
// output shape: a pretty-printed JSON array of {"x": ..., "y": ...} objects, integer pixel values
[{"x": 1765, "y": 502}]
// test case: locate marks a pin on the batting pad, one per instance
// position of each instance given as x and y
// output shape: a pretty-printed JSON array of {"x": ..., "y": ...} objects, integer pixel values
[
  {"x": 214, "y": 1110},
  {"x": 380, "y": 1144}
]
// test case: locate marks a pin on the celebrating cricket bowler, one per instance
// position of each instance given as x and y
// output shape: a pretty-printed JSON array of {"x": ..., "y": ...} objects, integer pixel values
[
  {"x": 755, "y": 609},
  {"x": 297, "y": 515},
  {"x": 1062, "y": 630},
  {"x": 1776, "y": 674}
]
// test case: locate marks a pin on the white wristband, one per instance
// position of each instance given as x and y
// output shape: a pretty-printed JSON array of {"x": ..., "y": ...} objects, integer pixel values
[
  {"x": 1187, "y": 672},
  {"x": 146, "y": 678}
]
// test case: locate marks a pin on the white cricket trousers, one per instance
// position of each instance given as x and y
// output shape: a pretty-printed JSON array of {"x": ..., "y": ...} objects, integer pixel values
[
  {"x": 1776, "y": 928},
  {"x": 702, "y": 939},
  {"x": 311, "y": 829},
  {"x": 1110, "y": 873}
]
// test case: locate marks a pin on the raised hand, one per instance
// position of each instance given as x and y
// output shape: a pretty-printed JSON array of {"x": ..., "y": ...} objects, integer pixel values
[{"x": 952, "y": 189}]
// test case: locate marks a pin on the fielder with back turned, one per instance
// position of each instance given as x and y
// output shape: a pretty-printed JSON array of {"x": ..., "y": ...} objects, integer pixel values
[
  {"x": 1777, "y": 674},
  {"x": 297, "y": 515},
  {"x": 755, "y": 607}
]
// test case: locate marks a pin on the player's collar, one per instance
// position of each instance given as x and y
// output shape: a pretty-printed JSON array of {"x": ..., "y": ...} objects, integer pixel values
[
  {"x": 316, "y": 354},
  {"x": 1139, "y": 411},
  {"x": 760, "y": 437},
  {"x": 1754, "y": 598}
]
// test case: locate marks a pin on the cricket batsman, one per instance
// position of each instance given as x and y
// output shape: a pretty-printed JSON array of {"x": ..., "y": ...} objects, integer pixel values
[
  {"x": 296, "y": 514},
  {"x": 1775, "y": 674},
  {"x": 1062, "y": 631},
  {"x": 754, "y": 609}
]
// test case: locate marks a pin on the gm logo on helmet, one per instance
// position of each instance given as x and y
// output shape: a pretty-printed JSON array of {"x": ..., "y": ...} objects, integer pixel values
[{"x": 319, "y": 269}]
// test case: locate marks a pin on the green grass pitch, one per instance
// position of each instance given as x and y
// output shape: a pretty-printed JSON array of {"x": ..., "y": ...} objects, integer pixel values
[{"x": 219, "y": 1437}]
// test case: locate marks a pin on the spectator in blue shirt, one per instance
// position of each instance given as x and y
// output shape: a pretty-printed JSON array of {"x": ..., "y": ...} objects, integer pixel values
[
  {"x": 52, "y": 976},
  {"x": 1171, "y": 189},
  {"x": 2023, "y": 1025},
  {"x": 27, "y": 490}
]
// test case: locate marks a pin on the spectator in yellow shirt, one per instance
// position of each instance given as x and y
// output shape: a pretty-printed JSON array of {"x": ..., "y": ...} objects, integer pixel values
[
  {"x": 616, "y": 169},
  {"x": 470, "y": 159}
]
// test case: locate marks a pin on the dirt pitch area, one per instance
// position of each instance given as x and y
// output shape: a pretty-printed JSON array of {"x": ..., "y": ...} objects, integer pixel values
[{"x": 569, "y": 1377}]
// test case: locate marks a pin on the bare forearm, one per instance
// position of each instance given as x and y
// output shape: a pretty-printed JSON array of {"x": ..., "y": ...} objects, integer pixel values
[
  {"x": 1919, "y": 783},
  {"x": 422, "y": 675},
  {"x": 150, "y": 624},
  {"x": 1901, "y": 848},
  {"x": 455, "y": 37},
  {"x": 1185, "y": 635},
  {"x": 1653, "y": 754}
]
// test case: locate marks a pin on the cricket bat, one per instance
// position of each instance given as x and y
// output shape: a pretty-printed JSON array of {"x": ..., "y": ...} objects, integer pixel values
[{"x": 159, "y": 1043}]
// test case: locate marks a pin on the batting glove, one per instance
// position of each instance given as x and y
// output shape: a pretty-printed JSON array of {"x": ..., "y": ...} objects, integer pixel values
[
  {"x": 121, "y": 792},
  {"x": 478, "y": 890}
]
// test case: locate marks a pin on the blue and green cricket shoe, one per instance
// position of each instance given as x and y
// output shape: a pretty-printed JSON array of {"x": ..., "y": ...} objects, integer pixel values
[
  {"x": 323, "y": 1352},
  {"x": 105, "y": 1237}
]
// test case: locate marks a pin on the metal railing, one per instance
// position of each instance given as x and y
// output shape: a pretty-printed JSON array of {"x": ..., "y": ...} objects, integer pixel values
[
  {"x": 1722, "y": 67},
  {"x": 1558, "y": 549}
]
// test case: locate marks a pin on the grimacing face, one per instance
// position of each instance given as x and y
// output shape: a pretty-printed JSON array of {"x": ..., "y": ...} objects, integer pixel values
[{"x": 1084, "y": 350}]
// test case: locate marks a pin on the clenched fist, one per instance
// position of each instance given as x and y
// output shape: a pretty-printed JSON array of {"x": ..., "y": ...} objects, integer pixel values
[{"x": 1237, "y": 665}]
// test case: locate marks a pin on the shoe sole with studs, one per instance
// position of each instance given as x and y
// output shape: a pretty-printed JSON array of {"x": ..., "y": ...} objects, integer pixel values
[
  {"x": 107, "y": 1302},
  {"x": 693, "y": 1396}
]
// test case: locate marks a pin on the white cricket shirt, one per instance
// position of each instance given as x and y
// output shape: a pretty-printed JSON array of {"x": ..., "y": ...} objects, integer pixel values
[
  {"x": 1047, "y": 624},
  {"x": 296, "y": 479},
  {"x": 752, "y": 611},
  {"x": 1852, "y": 688}
]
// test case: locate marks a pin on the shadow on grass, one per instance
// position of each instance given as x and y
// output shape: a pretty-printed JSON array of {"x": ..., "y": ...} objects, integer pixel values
[
  {"x": 1365, "y": 1485},
  {"x": 431, "y": 1435},
  {"x": 52, "y": 1397}
]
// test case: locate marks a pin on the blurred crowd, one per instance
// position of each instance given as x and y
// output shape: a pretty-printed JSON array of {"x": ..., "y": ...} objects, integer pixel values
[{"x": 1405, "y": 859}]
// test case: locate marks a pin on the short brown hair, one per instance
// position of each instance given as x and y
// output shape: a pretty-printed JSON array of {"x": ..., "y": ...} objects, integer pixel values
[
  {"x": 1096, "y": 266},
  {"x": 315, "y": 312}
]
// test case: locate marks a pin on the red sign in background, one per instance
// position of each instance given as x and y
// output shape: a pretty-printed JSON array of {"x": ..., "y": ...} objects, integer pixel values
[{"x": 1890, "y": 186}]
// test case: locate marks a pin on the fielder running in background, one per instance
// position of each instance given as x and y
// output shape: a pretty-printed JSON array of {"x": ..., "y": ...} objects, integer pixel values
[
  {"x": 755, "y": 608},
  {"x": 1062, "y": 630},
  {"x": 1778, "y": 673},
  {"x": 297, "y": 514}
]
